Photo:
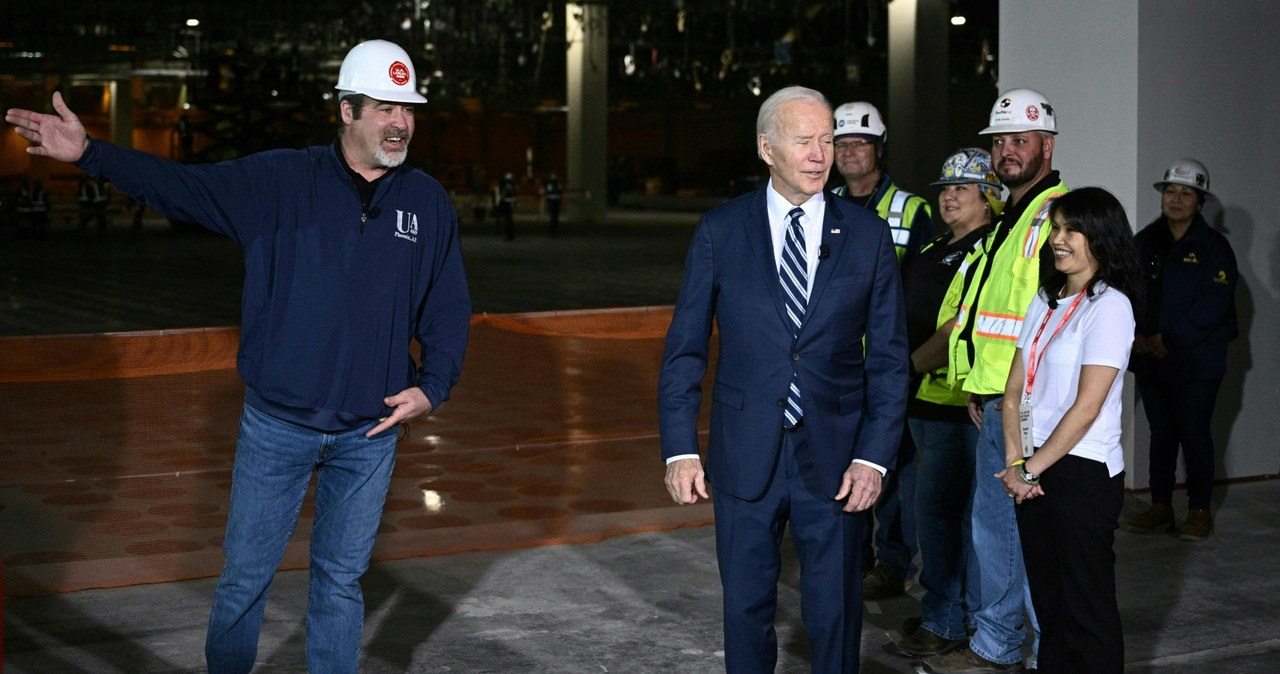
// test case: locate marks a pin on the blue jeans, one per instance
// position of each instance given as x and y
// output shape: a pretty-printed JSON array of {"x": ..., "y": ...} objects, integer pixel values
[
  {"x": 1002, "y": 578},
  {"x": 274, "y": 463},
  {"x": 944, "y": 496},
  {"x": 895, "y": 513}
]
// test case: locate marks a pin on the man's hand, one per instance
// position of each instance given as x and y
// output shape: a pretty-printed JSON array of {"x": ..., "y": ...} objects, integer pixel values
[
  {"x": 59, "y": 136},
  {"x": 686, "y": 481},
  {"x": 406, "y": 405},
  {"x": 975, "y": 410},
  {"x": 861, "y": 485}
]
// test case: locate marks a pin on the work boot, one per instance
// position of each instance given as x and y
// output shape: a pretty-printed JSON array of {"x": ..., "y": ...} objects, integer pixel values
[
  {"x": 1197, "y": 526},
  {"x": 922, "y": 644},
  {"x": 964, "y": 661},
  {"x": 882, "y": 582},
  {"x": 1159, "y": 517}
]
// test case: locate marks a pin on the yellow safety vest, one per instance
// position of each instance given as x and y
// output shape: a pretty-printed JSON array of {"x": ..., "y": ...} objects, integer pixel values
[
  {"x": 898, "y": 208},
  {"x": 935, "y": 386},
  {"x": 1010, "y": 285}
]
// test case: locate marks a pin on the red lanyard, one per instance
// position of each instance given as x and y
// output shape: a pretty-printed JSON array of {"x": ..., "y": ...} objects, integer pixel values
[{"x": 1033, "y": 363}]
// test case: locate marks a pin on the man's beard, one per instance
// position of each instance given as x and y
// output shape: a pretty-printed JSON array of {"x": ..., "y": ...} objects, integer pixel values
[
  {"x": 1027, "y": 172},
  {"x": 391, "y": 159}
]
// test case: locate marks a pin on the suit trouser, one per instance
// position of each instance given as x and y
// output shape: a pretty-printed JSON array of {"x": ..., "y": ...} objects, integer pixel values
[
  {"x": 826, "y": 539},
  {"x": 1180, "y": 414},
  {"x": 1067, "y": 542}
]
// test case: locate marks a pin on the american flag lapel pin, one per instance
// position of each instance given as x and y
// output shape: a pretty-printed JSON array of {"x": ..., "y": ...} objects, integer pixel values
[{"x": 835, "y": 231}]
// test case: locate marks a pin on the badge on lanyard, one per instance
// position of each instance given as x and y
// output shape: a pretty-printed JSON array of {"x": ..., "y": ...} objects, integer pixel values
[{"x": 1025, "y": 426}]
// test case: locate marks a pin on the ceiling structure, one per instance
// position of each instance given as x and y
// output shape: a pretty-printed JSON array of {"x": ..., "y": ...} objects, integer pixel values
[{"x": 503, "y": 53}]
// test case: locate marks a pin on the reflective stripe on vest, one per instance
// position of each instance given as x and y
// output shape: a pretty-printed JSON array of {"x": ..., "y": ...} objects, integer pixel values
[
  {"x": 998, "y": 326},
  {"x": 897, "y": 206},
  {"x": 893, "y": 208}
]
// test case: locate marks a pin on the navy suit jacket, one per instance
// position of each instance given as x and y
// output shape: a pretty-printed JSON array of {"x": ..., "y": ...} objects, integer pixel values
[{"x": 854, "y": 398}]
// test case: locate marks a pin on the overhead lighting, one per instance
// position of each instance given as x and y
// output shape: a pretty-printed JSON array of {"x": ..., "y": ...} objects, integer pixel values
[
  {"x": 192, "y": 23},
  {"x": 957, "y": 20}
]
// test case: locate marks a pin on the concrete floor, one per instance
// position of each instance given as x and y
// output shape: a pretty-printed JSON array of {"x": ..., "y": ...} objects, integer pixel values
[
  {"x": 646, "y": 602},
  {"x": 650, "y": 603}
]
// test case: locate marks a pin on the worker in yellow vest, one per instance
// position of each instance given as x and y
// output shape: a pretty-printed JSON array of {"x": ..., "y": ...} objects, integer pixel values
[
  {"x": 1001, "y": 278},
  {"x": 859, "y": 144},
  {"x": 937, "y": 415}
]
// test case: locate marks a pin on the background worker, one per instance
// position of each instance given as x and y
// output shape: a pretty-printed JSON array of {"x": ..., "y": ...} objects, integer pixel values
[
  {"x": 349, "y": 255},
  {"x": 860, "y": 141},
  {"x": 553, "y": 192},
  {"x": 1000, "y": 282},
  {"x": 507, "y": 205},
  {"x": 1180, "y": 352}
]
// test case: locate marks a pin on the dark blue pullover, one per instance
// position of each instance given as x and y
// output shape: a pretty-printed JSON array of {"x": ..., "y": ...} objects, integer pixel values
[
  {"x": 331, "y": 302},
  {"x": 1189, "y": 300}
]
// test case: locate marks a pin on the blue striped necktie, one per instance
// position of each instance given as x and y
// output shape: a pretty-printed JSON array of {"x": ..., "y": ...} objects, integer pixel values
[{"x": 793, "y": 270}]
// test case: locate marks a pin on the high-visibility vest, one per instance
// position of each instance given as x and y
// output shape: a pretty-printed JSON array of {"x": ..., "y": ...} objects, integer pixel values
[
  {"x": 934, "y": 386},
  {"x": 898, "y": 208},
  {"x": 1005, "y": 280}
]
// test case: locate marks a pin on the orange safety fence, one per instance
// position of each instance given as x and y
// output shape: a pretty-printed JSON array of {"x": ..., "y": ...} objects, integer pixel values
[{"x": 117, "y": 449}]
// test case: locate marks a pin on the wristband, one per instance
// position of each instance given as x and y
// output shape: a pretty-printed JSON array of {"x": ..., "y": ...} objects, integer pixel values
[{"x": 1019, "y": 462}]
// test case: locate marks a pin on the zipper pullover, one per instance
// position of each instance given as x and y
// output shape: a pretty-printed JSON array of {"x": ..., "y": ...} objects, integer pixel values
[{"x": 329, "y": 309}]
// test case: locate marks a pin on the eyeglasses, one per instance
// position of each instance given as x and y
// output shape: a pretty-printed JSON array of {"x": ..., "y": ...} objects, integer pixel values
[{"x": 851, "y": 145}]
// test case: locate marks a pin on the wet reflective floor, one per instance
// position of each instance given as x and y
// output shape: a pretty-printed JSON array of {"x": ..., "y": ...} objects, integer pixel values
[{"x": 117, "y": 448}]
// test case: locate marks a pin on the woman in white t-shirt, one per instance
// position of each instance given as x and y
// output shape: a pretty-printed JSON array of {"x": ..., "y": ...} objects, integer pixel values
[{"x": 1062, "y": 432}]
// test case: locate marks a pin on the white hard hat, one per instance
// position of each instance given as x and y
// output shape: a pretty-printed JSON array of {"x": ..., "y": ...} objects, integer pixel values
[
  {"x": 969, "y": 165},
  {"x": 1187, "y": 172},
  {"x": 1020, "y": 110},
  {"x": 381, "y": 70},
  {"x": 860, "y": 118}
]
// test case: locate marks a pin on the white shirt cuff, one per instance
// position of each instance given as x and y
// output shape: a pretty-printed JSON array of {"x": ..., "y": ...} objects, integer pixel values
[
  {"x": 682, "y": 456},
  {"x": 879, "y": 469}
]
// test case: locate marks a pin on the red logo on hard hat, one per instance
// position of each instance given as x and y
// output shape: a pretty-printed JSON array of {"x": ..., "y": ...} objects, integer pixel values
[
  {"x": 399, "y": 73},
  {"x": 1033, "y": 113}
]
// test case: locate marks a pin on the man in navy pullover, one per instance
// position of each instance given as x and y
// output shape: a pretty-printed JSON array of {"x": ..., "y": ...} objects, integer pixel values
[{"x": 349, "y": 255}]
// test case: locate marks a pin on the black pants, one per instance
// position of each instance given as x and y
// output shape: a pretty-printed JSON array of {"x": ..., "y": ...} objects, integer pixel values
[
  {"x": 1068, "y": 538},
  {"x": 1180, "y": 415}
]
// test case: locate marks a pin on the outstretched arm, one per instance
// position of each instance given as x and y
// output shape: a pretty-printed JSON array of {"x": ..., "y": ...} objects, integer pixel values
[{"x": 60, "y": 136}]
